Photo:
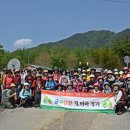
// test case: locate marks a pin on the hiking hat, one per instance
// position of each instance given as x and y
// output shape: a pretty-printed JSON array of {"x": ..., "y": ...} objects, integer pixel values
[
  {"x": 76, "y": 74},
  {"x": 106, "y": 83},
  {"x": 125, "y": 68},
  {"x": 45, "y": 71},
  {"x": 88, "y": 70},
  {"x": 100, "y": 77},
  {"x": 16, "y": 71},
  {"x": 121, "y": 72},
  {"x": 116, "y": 84},
  {"x": 92, "y": 76},
  {"x": 83, "y": 71},
  {"x": 26, "y": 84},
  {"x": 116, "y": 73},
  {"x": 98, "y": 71},
  {"x": 12, "y": 85},
  {"x": 109, "y": 72},
  {"x": 68, "y": 84},
  {"x": 128, "y": 76},
  {"x": 79, "y": 69},
  {"x": 67, "y": 71},
  {"x": 80, "y": 84},
  {"x": 96, "y": 85},
  {"x": 83, "y": 75},
  {"x": 38, "y": 75},
  {"x": 115, "y": 70}
]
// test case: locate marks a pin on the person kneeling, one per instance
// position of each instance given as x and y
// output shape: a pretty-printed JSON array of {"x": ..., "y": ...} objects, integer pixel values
[
  {"x": 9, "y": 97},
  {"x": 26, "y": 96},
  {"x": 96, "y": 88}
]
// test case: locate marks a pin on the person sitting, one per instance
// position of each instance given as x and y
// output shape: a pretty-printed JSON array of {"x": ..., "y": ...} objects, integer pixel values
[
  {"x": 60, "y": 88},
  {"x": 50, "y": 84},
  {"x": 9, "y": 97},
  {"x": 69, "y": 88},
  {"x": 119, "y": 99},
  {"x": 106, "y": 88},
  {"x": 79, "y": 88},
  {"x": 96, "y": 88},
  {"x": 26, "y": 95}
]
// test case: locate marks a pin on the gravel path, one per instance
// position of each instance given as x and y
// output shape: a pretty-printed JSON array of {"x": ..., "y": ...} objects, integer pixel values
[{"x": 36, "y": 119}]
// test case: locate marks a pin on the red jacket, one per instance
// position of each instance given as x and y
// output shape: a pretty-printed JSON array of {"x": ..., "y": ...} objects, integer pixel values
[{"x": 37, "y": 85}]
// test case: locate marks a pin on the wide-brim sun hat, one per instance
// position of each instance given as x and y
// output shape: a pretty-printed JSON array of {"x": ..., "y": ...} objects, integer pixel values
[
  {"x": 96, "y": 85},
  {"x": 38, "y": 75},
  {"x": 116, "y": 73},
  {"x": 45, "y": 71},
  {"x": 83, "y": 75},
  {"x": 88, "y": 70},
  {"x": 68, "y": 84},
  {"x": 109, "y": 72},
  {"x": 16, "y": 71},
  {"x": 12, "y": 85},
  {"x": 92, "y": 76},
  {"x": 100, "y": 77},
  {"x": 125, "y": 68},
  {"x": 106, "y": 83},
  {"x": 116, "y": 84},
  {"x": 76, "y": 74}
]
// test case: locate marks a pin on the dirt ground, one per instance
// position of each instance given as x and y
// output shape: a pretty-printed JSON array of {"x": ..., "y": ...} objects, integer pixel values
[{"x": 37, "y": 119}]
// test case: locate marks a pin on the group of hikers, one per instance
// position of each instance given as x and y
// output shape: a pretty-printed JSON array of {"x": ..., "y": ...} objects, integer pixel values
[{"x": 23, "y": 87}]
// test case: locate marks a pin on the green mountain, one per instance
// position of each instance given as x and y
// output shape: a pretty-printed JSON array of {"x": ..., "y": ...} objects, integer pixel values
[
  {"x": 91, "y": 39},
  {"x": 71, "y": 52}
]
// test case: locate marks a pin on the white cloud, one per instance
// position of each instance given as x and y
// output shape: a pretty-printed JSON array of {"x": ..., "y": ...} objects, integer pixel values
[{"x": 22, "y": 42}]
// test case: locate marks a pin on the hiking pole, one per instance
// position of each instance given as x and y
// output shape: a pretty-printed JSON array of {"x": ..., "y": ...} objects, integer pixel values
[{"x": 17, "y": 107}]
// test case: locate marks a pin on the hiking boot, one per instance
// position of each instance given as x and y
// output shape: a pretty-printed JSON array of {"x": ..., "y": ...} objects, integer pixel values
[{"x": 119, "y": 113}]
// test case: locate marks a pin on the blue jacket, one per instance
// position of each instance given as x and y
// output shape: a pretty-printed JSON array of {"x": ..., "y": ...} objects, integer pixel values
[
  {"x": 24, "y": 93},
  {"x": 50, "y": 85}
]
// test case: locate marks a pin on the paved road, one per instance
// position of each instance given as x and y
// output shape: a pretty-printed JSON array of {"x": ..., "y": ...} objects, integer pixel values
[{"x": 36, "y": 119}]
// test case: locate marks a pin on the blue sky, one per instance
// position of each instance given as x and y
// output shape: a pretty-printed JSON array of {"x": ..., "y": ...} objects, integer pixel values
[{"x": 27, "y": 23}]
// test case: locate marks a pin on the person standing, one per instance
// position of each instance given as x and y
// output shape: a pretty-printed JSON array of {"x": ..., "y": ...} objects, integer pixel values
[{"x": 119, "y": 99}]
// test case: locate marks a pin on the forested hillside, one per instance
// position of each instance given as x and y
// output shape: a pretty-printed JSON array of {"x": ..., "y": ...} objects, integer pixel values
[{"x": 100, "y": 48}]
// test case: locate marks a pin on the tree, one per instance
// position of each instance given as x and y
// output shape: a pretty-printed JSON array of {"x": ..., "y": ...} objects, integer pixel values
[
  {"x": 106, "y": 58},
  {"x": 122, "y": 47}
]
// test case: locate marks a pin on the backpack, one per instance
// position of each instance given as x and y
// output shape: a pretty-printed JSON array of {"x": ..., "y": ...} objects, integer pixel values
[{"x": 4, "y": 96}]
